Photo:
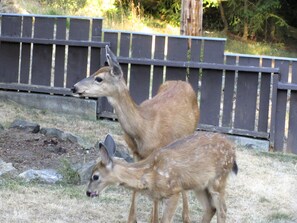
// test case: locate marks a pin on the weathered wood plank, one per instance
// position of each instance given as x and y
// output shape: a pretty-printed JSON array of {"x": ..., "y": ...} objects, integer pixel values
[
  {"x": 42, "y": 55},
  {"x": 246, "y": 96},
  {"x": 228, "y": 94},
  {"x": 140, "y": 74},
  {"x": 281, "y": 105},
  {"x": 264, "y": 97},
  {"x": 211, "y": 84},
  {"x": 292, "y": 132}
]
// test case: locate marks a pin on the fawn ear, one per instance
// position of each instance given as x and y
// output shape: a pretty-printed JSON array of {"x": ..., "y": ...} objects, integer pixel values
[
  {"x": 110, "y": 145},
  {"x": 105, "y": 157},
  {"x": 113, "y": 63}
]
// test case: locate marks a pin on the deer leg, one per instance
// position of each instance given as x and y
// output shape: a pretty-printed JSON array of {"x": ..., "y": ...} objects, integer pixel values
[
  {"x": 155, "y": 212},
  {"x": 132, "y": 213},
  {"x": 218, "y": 201},
  {"x": 170, "y": 207},
  {"x": 185, "y": 214},
  {"x": 205, "y": 199}
]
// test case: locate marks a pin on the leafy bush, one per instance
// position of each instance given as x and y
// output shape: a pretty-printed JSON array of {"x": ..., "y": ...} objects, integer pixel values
[{"x": 66, "y": 6}]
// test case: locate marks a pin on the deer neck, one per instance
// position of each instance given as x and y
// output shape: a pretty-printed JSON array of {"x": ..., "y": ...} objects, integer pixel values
[
  {"x": 130, "y": 176},
  {"x": 127, "y": 112}
]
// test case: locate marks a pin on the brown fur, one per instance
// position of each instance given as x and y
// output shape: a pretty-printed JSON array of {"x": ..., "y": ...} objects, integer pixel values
[
  {"x": 200, "y": 162},
  {"x": 173, "y": 113}
]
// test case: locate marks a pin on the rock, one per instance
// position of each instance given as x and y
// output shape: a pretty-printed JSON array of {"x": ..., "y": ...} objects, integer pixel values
[
  {"x": 25, "y": 125},
  {"x": 85, "y": 171},
  {"x": 46, "y": 175},
  {"x": 52, "y": 132},
  {"x": 120, "y": 153},
  {"x": 6, "y": 168},
  {"x": 72, "y": 138},
  {"x": 1, "y": 128},
  {"x": 124, "y": 155},
  {"x": 59, "y": 134}
]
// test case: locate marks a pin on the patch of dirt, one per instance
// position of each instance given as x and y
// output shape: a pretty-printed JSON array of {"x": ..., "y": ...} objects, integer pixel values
[{"x": 36, "y": 151}]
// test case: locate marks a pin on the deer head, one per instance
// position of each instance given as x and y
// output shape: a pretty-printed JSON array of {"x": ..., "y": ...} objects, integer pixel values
[
  {"x": 100, "y": 177},
  {"x": 104, "y": 82}
]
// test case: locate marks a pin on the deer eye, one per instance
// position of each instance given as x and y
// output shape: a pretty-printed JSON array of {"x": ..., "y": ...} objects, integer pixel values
[
  {"x": 98, "y": 79},
  {"x": 95, "y": 177}
]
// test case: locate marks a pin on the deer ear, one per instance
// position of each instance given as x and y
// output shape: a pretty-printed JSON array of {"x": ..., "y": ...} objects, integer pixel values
[
  {"x": 105, "y": 158},
  {"x": 113, "y": 63},
  {"x": 110, "y": 145}
]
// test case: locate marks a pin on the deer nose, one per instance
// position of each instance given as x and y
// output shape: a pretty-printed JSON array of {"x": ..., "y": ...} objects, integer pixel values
[
  {"x": 88, "y": 193},
  {"x": 74, "y": 89}
]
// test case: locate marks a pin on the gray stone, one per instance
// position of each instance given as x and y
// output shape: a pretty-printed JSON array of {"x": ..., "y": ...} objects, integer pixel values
[
  {"x": 1, "y": 128},
  {"x": 72, "y": 138},
  {"x": 45, "y": 176},
  {"x": 85, "y": 171},
  {"x": 69, "y": 105},
  {"x": 52, "y": 132},
  {"x": 25, "y": 125},
  {"x": 250, "y": 143},
  {"x": 6, "y": 168},
  {"x": 120, "y": 153}
]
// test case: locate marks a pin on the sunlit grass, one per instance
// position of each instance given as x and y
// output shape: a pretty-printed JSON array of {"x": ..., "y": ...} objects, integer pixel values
[{"x": 138, "y": 22}]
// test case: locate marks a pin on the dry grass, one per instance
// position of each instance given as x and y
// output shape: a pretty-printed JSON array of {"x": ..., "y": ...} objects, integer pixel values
[{"x": 264, "y": 190}]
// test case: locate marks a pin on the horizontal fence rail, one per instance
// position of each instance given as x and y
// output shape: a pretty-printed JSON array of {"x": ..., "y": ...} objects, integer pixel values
[
  {"x": 53, "y": 52},
  {"x": 246, "y": 95}
]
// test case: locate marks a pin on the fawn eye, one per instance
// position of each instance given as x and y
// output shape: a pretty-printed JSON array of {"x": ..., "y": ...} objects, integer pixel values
[
  {"x": 95, "y": 177},
  {"x": 98, "y": 79}
]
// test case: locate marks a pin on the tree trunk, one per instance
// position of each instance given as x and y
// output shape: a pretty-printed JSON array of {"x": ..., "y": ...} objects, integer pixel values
[
  {"x": 191, "y": 17},
  {"x": 245, "y": 26},
  {"x": 223, "y": 17}
]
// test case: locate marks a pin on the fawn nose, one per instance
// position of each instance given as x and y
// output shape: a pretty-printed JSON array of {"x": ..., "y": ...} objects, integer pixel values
[
  {"x": 88, "y": 193},
  {"x": 74, "y": 89}
]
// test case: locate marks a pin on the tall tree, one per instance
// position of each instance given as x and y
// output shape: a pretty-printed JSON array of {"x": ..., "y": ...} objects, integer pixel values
[{"x": 191, "y": 17}]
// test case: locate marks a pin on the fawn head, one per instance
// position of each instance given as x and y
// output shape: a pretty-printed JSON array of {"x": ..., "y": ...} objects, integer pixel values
[
  {"x": 104, "y": 82},
  {"x": 102, "y": 172}
]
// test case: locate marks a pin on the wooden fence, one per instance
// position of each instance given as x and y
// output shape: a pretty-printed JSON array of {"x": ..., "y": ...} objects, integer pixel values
[{"x": 238, "y": 94}]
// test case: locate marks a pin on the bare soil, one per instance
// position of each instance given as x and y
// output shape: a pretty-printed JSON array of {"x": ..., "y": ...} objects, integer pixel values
[{"x": 36, "y": 151}]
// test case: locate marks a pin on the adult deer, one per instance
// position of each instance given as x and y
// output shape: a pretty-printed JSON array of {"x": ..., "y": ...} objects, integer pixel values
[
  {"x": 171, "y": 114},
  {"x": 200, "y": 162}
]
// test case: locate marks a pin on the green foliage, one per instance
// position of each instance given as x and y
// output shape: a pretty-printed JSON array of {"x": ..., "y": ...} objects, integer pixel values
[
  {"x": 259, "y": 16},
  {"x": 64, "y": 6},
  {"x": 70, "y": 176},
  {"x": 163, "y": 10}
]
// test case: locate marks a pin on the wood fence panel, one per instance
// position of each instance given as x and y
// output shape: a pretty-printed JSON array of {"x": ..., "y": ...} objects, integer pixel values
[
  {"x": 177, "y": 49},
  {"x": 211, "y": 83},
  {"x": 42, "y": 54},
  {"x": 265, "y": 90},
  {"x": 9, "y": 52},
  {"x": 193, "y": 77},
  {"x": 281, "y": 105},
  {"x": 59, "y": 75},
  {"x": 246, "y": 96},
  {"x": 77, "y": 56},
  {"x": 96, "y": 61},
  {"x": 228, "y": 94},
  {"x": 112, "y": 38},
  {"x": 292, "y": 134},
  {"x": 140, "y": 74},
  {"x": 125, "y": 51},
  {"x": 26, "y": 51},
  {"x": 158, "y": 70}
]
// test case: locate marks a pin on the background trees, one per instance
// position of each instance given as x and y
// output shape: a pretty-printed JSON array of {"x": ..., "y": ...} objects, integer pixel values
[{"x": 269, "y": 20}]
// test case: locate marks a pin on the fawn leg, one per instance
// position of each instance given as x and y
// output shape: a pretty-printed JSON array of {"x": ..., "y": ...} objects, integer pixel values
[
  {"x": 155, "y": 212},
  {"x": 218, "y": 201},
  {"x": 170, "y": 207},
  {"x": 185, "y": 214},
  {"x": 132, "y": 213},
  {"x": 205, "y": 200}
]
